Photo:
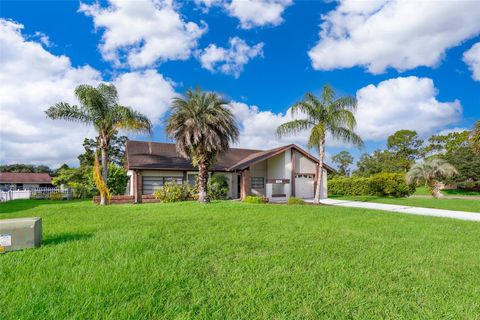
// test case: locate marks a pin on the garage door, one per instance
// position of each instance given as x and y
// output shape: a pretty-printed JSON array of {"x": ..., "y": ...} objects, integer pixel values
[{"x": 304, "y": 186}]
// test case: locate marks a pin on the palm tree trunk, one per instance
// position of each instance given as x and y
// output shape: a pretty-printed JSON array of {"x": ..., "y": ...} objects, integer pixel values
[
  {"x": 104, "y": 151},
  {"x": 319, "y": 189},
  {"x": 436, "y": 192},
  {"x": 202, "y": 183}
]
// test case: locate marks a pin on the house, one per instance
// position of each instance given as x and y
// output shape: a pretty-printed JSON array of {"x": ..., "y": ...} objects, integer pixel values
[
  {"x": 277, "y": 173},
  {"x": 24, "y": 181}
]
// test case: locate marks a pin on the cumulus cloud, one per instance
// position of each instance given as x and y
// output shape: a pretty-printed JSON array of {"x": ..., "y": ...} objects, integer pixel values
[
  {"x": 32, "y": 79},
  {"x": 229, "y": 60},
  {"x": 399, "y": 34},
  {"x": 256, "y": 13},
  {"x": 143, "y": 32},
  {"x": 472, "y": 59},
  {"x": 403, "y": 103},
  {"x": 250, "y": 13}
]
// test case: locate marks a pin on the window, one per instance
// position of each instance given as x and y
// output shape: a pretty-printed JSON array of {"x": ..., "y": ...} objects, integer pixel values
[
  {"x": 192, "y": 178},
  {"x": 258, "y": 182},
  {"x": 150, "y": 184}
]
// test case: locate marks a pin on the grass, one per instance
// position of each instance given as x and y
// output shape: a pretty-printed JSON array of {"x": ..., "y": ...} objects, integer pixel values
[
  {"x": 469, "y": 205},
  {"x": 423, "y": 191},
  {"x": 243, "y": 261}
]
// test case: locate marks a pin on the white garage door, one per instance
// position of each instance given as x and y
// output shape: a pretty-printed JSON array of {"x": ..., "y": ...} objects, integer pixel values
[{"x": 304, "y": 186}]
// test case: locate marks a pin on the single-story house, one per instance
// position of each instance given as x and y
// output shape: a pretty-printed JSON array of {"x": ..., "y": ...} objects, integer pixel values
[
  {"x": 277, "y": 173},
  {"x": 24, "y": 181}
]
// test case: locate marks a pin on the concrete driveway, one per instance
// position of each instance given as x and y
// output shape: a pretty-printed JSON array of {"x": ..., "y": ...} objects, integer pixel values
[{"x": 461, "y": 215}]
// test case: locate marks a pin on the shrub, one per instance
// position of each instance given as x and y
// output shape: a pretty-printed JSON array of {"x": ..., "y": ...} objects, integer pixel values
[
  {"x": 295, "y": 200},
  {"x": 55, "y": 196},
  {"x": 380, "y": 184},
  {"x": 38, "y": 196},
  {"x": 255, "y": 199},
  {"x": 218, "y": 186},
  {"x": 172, "y": 192}
]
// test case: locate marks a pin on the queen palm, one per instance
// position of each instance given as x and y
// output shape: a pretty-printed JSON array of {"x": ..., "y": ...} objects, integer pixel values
[
  {"x": 321, "y": 116},
  {"x": 99, "y": 107},
  {"x": 203, "y": 127},
  {"x": 431, "y": 173}
]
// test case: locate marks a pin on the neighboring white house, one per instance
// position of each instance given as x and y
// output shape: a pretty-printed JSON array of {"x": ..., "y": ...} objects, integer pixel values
[
  {"x": 277, "y": 173},
  {"x": 24, "y": 181}
]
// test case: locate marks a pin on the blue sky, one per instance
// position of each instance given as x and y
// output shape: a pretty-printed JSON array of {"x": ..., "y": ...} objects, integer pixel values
[{"x": 410, "y": 65}]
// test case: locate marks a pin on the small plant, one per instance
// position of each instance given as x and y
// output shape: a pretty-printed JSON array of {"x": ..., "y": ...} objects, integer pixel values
[
  {"x": 218, "y": 187},
  {"x": 172, "y": 192},
  {"x": 38, "y": 196},
  {"x": 255, "y": 199},
  {"x": 55, "y": 196},
  {"x": 295, "y": 200}
]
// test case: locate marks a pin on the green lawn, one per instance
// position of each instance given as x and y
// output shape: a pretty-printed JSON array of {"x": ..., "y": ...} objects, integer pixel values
[
  {"x": 423, "y": 191},
  {"x": 230, "y": 260},
  {"x": 470, "y": 205}
]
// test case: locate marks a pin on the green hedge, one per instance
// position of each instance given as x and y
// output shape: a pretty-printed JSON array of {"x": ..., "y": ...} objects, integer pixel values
[
  {"x": 380, "y": 184},
  {"x": 295, "y": 200}
]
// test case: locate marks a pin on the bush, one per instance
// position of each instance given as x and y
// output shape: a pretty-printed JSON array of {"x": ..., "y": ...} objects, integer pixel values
[
  {"x": 255, "y": 199},
  {"x": 55, "y": 196},
  {"x": 172, "y": 192},
  {"x": 218, "y": 187},
  {"x": 380, "y": 184},
  {"x": 38, "y": 196},
  {"x": 295, "y": 200}
]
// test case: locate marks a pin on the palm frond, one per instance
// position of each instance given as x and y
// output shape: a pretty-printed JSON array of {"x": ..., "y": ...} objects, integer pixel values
[
  {"x": 346, "y": 135},
  {"x": 128, "y": 119},
  {"x": 65, "y": 111},
  {"x": 293, "y": 127}
]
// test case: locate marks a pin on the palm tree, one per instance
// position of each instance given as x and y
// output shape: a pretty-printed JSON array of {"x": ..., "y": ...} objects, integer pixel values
[
  {"x": 322, "y": 115},
  {"x": 99, "y": 107},
  {"x": 202, "y": 126},
  {"x": 431, "y": 173},
  {"x": 474, "y": 138}
]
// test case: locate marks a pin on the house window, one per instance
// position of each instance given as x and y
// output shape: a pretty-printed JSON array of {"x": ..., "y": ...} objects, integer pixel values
[
  {"x": 258, "y": 182},
  {"x": 150, "y": 184},
  {"x": 192, "y": 178}
]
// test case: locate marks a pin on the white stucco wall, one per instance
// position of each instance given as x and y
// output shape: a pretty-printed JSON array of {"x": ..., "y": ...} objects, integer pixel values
[{"x": 259, "y": 170}]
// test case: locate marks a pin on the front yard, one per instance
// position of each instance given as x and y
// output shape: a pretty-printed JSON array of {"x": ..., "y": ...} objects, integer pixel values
[{"x": 235, "y": 260}]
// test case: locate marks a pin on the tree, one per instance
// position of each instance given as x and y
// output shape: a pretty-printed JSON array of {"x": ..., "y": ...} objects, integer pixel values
[
  {"x": 343, "y": 159},
  {"x": 99, "y": 107},
  {"x": 406, "y": 146},
  {"x": 203, "y": 127},
  {"x": 322, "y": 115},
  {"x": 376, "y": 162},
  {"x": 474, "y": 138},
  {"x": 116, "y": 150},
  {"x": 25, "y": 168},
  {"x": 431, "y": 173}
]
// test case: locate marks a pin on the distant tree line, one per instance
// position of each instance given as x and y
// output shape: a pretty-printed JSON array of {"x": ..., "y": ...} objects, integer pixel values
[{"x": 404, "y": 148}]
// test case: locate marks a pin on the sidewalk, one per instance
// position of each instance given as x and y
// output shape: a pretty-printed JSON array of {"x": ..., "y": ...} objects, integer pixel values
[{"x": 461, "y": 215}]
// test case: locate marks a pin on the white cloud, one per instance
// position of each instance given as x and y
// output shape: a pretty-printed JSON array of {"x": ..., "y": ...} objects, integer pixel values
[
  {"x": 256, "y": 13},
  {"x": 148, "y": 92},
  {"x": 445, "y": 132},
  {"x": 399, "y": 34},
  {"x": 143, "y": 32},
  {"x": 472, "y": 59},
  {"x": 32, "y": 79},
  {"x": 403, "y": 103},
  {"x": 232, "y": 59}
]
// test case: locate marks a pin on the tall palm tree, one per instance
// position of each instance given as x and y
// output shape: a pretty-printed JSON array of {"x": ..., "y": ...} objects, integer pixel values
[
  {"x": 99, "y": 107},
  {"x": 202, "y": 126},
  {"x": 474, "y": 138},
  {"x": 322, "y": 115},
  {"x": 431, "y": 173}
]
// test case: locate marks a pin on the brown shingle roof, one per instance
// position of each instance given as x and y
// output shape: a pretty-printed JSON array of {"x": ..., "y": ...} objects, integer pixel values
[
  {"x": 19, "y": 177},
  {"x": 156, "y": 155}
]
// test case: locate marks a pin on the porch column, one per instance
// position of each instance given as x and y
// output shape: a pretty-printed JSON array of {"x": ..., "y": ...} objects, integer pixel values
[
  {"x": 137, "y": 186},
  {"x": 245, "y": 184}
]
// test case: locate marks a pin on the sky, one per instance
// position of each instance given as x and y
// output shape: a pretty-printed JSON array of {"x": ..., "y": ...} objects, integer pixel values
[{"x": 410, "y": 64}]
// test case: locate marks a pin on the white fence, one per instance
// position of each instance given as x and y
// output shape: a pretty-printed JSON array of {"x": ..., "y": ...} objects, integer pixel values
[{"x": 37, "y": 193}]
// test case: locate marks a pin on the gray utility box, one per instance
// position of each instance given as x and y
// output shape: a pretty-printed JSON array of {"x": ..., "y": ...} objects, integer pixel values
[{"x": 22, "y": 233}]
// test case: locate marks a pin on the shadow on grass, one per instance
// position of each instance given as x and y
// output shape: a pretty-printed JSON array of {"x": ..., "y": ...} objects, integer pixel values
[
  {"x": 66, "y": 237},
  {"x": 18, "y": 205}
]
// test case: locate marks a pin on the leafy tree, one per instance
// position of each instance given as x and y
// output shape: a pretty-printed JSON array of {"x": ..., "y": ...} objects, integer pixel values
[
  {"x": 343, "y": 159},
  {"x": 447, "y": 143},
  {"x": 376, "y": 162},
  {"x": 116, "y": 150},
  {"x": 218, "y": 186},
  {"x": 431, "y": 172},
  {"x": 117, "y": 179},
  {"x": 25, "y": 168},
  {"x": 99, "y": 107},
  {"x": 406, "y": 146},
  {"x": 77, "y": 179},
  {"x": 203, "y": 127},
  {"x": 324, "y": 114},
  {"x": 474, "y": 138}
]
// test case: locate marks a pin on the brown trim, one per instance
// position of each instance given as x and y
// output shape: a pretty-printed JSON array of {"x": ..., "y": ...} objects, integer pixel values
[
  {"x": 292, "y": 172},
  {"x": 306, "y": 173},
  {"x": 279, "y": 195},
  {"x": 283, "y": 181}
]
